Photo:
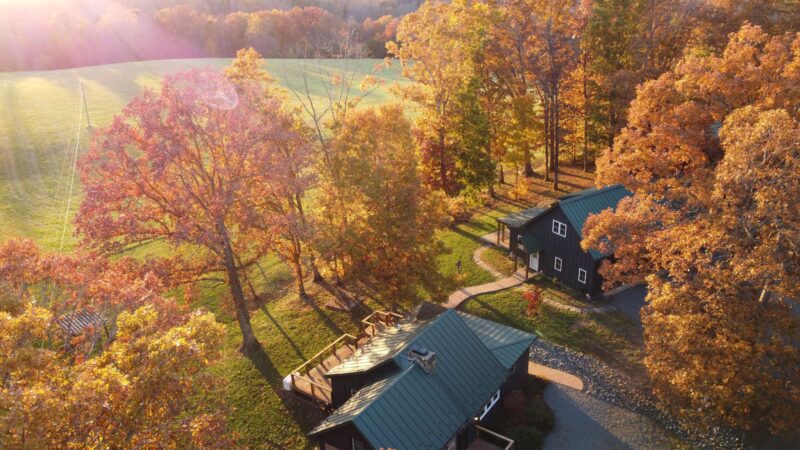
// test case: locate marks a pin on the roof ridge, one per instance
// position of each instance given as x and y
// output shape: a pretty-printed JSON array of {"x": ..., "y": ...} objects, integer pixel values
[{"x": 596, "y": 191}]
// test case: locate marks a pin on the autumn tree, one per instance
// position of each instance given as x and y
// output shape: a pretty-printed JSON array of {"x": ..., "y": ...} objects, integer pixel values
[
  {"x": 710, "y": 153},
  {"x": 138, "y": 387},
  {"x": 191, "y": 166},
  {"x": 436, "y": 46},
  {"x": 387, "y": 242},
  {"x": 287, "y": 201}
]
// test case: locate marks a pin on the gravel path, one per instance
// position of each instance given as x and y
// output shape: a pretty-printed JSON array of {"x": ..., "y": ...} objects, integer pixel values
[
  {"x": 586, "y": 422},
  {"x": 603, "y": 383}
]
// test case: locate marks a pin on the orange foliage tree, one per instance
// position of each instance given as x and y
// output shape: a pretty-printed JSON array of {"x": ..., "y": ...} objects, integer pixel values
[
  {"x": 197, "y": 166},
  {"x": 711, "y": 156},
  {"x": 137, "y": 389}
]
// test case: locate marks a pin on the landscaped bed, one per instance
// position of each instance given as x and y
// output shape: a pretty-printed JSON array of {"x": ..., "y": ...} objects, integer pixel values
[{"x": 524, "y": 416}]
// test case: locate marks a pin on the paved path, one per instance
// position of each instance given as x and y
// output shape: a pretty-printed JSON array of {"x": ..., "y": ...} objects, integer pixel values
[
  {"x": 586, "y": 422},
  {"x": 556, "y": 376},
  {"x": 458, "y": 297}
]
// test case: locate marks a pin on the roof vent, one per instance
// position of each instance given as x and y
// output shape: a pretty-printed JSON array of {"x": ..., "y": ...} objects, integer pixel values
[{"x": 423, "y": 358}]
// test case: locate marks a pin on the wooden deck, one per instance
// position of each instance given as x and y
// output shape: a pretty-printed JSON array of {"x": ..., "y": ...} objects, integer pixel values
[{"x": 309, "y": 378}]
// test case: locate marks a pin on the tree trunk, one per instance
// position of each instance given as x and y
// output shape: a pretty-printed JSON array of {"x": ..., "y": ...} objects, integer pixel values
[
  {"x": 556, "y": 138},
  {"x": 546, "y": 139},
  {"x": 585, "y": 118},
  {"x": 443, "y": 162},
  {"x": 313, "y": 257},
  {"x": 297, "y": 265},
  {"x": 502, "y": 177},
  {"x": 249, "y": 341}
]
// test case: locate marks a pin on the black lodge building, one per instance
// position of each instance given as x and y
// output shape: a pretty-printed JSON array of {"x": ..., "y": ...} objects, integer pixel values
[{"x": 548, "y": 239}]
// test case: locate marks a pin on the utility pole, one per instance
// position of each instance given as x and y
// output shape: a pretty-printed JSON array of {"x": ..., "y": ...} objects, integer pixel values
[{"x": 85, "y": 107}]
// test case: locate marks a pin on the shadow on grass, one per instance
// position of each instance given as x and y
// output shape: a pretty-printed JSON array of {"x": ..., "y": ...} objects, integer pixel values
[
  {"x": 283, "y": 333},
  {"x": 303, "y": 413}
]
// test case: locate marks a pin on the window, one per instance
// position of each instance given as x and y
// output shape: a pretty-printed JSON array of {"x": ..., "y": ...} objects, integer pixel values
[
  {"x": 582, "y": 276},
  {"x": 357, "y": 444},
  {"x": 560, "y": 228},
  {"x": 488, "y": 407},
  {"x": 557, "y": 263}
]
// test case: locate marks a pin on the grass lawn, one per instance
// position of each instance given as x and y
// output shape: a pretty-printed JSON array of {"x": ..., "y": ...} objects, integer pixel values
[
  {"x": 462, "y": 240},
  {"x": 610, "y": 336},
  {"x": 261, "y": 414},
  {"x": 39, "y": 119},
  {"x": 499, "y": 261}
]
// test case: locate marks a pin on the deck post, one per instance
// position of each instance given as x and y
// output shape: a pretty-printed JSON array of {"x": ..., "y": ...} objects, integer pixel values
[{"x": 498, "y": 232}]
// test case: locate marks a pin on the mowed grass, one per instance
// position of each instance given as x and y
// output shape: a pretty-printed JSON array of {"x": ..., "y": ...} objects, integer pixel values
[
  {"x": 610, "y": 336},
  {"x": 39, "y": 119}
]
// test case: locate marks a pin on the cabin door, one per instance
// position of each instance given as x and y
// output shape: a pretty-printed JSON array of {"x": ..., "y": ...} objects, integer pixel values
[{"x": 533, "y": 261}]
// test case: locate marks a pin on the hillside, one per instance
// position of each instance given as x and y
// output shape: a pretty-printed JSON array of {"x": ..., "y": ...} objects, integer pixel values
[{"x": 39, "y": 118}]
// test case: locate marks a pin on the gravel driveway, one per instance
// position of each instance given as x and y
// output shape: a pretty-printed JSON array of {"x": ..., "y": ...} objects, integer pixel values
[
  {"x": 586, "y": 422},
  {"x": 607, "y": 401}
]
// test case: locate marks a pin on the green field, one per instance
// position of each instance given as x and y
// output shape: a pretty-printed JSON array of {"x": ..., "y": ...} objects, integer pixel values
[{"x": 39, "y": 118}]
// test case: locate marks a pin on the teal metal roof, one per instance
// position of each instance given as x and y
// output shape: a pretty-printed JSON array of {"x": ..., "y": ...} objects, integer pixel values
[
  {"x": 530, "y": 243},
  {"x": 577, "y": 208},
  {"x": 380, "y": 349},
  {"x": 506, "y": 343},
  {"x": 417, "y": 410},
  {"x": 520, "y": 218}
]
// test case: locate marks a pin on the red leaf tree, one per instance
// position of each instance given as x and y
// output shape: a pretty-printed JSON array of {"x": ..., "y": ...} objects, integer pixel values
[{"x": 193, "y": 166}]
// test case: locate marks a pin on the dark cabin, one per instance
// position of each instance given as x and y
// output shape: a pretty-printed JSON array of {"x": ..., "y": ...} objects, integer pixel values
[
  {"x": 548, "y": 240},
  {"x": 425, "y": 385}
]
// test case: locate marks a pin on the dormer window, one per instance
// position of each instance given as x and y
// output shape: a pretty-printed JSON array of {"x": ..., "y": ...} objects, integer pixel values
[{"x": 560, "y": 228}]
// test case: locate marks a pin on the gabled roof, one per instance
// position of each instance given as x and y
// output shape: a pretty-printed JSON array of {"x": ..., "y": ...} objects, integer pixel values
[
  {"x": 521, "y": 218},
  {"x": 504, "y": 342},
  {"x": 578, "y": 207},
  {"x": 417, "y": 410}
]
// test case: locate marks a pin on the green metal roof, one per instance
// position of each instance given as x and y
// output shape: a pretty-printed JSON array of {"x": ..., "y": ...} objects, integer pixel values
[
  {"x": 520, "y": 218},
  {"x": 530, "y": 243},
  {"x": 506, "y": 343},
  {"x": 380, "y": 349},
  {"x": 417, "y": 410},
  {"x": 577, "y": 208}
]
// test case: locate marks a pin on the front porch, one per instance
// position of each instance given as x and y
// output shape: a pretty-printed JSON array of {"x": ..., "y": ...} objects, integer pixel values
[
  {"x": 309, "y": 380},
  {"x": 489, "y": 440}
]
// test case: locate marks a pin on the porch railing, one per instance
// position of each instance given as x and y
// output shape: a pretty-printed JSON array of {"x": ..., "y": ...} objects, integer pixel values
[{"x": 495, "y": 438}]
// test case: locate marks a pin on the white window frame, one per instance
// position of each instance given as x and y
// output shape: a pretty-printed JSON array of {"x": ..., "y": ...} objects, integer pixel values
[
  {"x": 558, "y": 264},
  {"x": 584, "y": 273},
  {"x": 559, "y": 228},
  {"x": 582, "y": 279},
  {"x": 490, "y": 404}
]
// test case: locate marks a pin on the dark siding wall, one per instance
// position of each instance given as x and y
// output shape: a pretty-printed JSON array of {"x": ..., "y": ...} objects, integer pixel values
[
  {"x": 567, "y": 248},
  {"x": 341, "y": 385},
  {"x": 340, "y": 438},
  {"x": 520, "y": 369}
]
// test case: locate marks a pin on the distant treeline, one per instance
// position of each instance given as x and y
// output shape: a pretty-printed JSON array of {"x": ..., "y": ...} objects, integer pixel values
[{"x": 44, "y": 35}]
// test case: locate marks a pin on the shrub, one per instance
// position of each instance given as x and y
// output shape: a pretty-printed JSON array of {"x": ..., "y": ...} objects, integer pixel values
[
  {"x": 539, "y": 415},
  {"x": 526, "y": 438},
  {"x": 514, "y": 402}
]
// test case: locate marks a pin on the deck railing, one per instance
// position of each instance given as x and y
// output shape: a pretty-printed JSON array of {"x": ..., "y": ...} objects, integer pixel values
[
  {"x": 301, "y": 370},
  {"x": 370, "y": 324},
  {"x": 495, "y": 438}
]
